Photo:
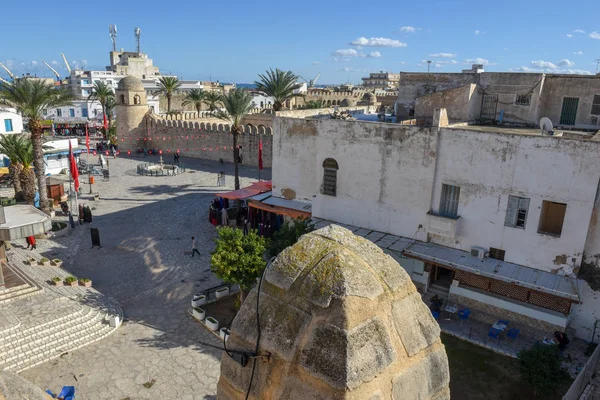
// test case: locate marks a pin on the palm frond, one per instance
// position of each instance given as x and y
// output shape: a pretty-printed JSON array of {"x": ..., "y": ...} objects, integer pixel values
[
  {"x": 279, "y": 85},
  {"x": 167, "y": 85},
  {"x": 31, "y": 97},
  {"x": 236, "y": 104}
]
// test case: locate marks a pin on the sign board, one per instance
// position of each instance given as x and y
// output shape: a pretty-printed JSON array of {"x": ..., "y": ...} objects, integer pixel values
[{"x": 95, "y": 237}]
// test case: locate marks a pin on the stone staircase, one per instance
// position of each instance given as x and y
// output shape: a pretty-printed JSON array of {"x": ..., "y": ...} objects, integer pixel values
[
  {"x": 35, "y": 344},
  {"x": 28, "y": 288}
]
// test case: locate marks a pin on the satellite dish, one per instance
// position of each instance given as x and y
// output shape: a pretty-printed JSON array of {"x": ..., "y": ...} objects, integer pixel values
[{"x": 546, "y": 126}]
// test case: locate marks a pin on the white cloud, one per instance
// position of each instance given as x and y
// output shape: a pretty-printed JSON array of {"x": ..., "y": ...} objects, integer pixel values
[
  {"x": 54, "y": 62},
  {"x": 554, "y": 71},
  {"x": 345, "y": 53},
  {"x": 578, "y": 31},
  {"x": 578, "y": 53},
  {"x": 374, "y": 54},
  {"x": 569, "y": 35},
  {"x": 477, "y": 32},
  {"x": 316, "y": 62},
  {"x": 401, "y": 62},
  {"x": 377, "y": 42},
  {"x": 443, "y": 55},
  {"x": 34, "y": 63},
  {"x": 566, "y": 63},
  {"x": 540, "y": 64},
  {"x": 350, "y": 69},
  {"x": 410, "y": 29},
  {"x": 477, "y": 60},
  {"x": 595, "y": 35}
]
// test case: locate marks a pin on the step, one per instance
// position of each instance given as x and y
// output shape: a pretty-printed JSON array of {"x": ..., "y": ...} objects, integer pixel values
[
  {"x": 54, "y": 342},
  {"x": 28, "y": 289}
]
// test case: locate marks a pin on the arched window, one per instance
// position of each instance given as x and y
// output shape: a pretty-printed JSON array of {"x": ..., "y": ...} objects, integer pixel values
[
  {"x": 330, "y": 168},
  {"x": 136, "y": 99},
  {"x": 123, "y": 99}
]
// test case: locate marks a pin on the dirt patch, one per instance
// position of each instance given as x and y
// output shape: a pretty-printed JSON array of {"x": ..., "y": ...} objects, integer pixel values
[
  {"x": 561, "y": 259},
  {"x": 223, "y": 310}
]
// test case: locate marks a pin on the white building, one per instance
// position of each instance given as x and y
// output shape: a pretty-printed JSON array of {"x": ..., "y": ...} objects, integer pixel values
[
  {"x": 493, "y": 218},
  {"x": 10, "y": 121}
]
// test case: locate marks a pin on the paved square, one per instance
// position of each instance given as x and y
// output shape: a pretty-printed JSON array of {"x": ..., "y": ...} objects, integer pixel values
[{"x": 145, "y": 225}]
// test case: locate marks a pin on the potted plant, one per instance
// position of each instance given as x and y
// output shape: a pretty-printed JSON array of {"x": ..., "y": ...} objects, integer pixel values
[
  {"x": 224, "y": 333},
  {"x": 32, "y": 261},
  {"x": 45, "y": 262},
  {"x": 71, "y": 281},
  {"x": 57, "y": 281},
  {"x": 85, "y": 282},
  {"x": 212, "y": 324},
  {"x": 222, "y": 292},
  {"x": 199, "y": 313},
  {"x": 198, "y": 300},
  {"x": 57, "y": 262}
]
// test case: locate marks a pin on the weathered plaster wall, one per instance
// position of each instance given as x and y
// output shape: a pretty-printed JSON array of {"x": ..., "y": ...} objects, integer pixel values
[
  {"x": 456, "y": 101},
  {"x": 557, "y": 87},
  {"x": 385, "y": 171}
]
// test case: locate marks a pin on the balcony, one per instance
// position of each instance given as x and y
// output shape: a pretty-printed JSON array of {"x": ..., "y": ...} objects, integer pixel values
[{"x": 442, "y": 225}]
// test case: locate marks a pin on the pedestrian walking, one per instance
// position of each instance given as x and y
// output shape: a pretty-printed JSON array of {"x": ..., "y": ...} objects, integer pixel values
[
  {"x": 194, "y": 247},
  {"x": 222, "y": 173},
  {"x": 219, "y": 179},
  {"x": 31, "y": 242}
]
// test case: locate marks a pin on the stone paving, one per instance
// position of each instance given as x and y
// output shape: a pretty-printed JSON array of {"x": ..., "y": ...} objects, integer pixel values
[{"x": 145, "y": 226}]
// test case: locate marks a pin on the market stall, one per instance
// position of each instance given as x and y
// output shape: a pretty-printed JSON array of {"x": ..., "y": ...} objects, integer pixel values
[{"x": 231, "y": 208}]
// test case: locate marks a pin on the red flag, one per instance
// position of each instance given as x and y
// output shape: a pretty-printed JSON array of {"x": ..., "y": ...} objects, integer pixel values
[
  {"x": 73, "y": 167},
  {"x": 87, "y": 139},
  {"x": 104, "y": 123},
  {"x": 260, "y": 162}
]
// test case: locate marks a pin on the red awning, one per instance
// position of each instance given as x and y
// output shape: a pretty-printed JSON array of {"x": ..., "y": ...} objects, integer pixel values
[{"x": 252, "y": 190}]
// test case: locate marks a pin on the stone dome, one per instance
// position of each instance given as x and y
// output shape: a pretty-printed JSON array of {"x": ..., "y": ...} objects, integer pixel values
[
  {"x": 369, "y": 97},
  {"x": 348, "y": 102},
  {"x": 341, "y": 319},
  {"x": 131, "y": 83}
]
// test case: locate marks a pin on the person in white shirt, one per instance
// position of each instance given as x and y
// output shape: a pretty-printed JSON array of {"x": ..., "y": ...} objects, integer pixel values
[{"x": 194, "y": 247}]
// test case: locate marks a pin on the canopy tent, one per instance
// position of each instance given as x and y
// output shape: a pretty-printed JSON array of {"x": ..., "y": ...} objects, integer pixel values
[{"x": 279, "y": 210}]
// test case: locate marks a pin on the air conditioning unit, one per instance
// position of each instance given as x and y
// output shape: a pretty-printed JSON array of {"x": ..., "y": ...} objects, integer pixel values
[{"x": 478, "y": 252}]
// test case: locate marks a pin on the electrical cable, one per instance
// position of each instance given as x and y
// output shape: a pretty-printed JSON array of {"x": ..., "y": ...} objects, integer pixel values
[{"x": 257, "y": 328}]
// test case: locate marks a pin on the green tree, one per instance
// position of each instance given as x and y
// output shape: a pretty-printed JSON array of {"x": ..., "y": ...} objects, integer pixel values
[
  {"x": 167, "y": 86},
  {"x": 212, "y": 100},
  {"x": 279, "y": 85},
  {"x": 103, "y": 94},
  {"x": 19, "y": 150},
  {"x": 237, "y": 103},
  {"x": 289, "y": 234},
  {"x": 238, "y": 258},
  {"x": 194, "y": 97},
  {"x": 540, "y": 367},
  {"x": 313, "y": 104},
  {"x": 31, "y": 97},
  {"x": 111, "y": 103}
]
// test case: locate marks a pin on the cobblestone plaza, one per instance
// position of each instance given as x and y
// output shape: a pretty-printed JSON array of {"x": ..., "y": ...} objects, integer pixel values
[{"x": 145, "y": 226}]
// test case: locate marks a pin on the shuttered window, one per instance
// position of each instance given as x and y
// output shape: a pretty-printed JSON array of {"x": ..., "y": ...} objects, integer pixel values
[
  {"x": 449, "y": 201},
  {"x": 498, "y": 254},
  {"x": 596, "y": 105},
  {"x": 330, "y": 168},
  {"x": 516, "y": 213}
]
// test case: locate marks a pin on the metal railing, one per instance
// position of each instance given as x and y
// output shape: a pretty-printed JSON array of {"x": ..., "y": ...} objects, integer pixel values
[{"x": 584, "y": 378}]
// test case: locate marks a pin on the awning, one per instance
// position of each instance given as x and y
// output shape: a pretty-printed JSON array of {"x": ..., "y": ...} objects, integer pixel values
[
  {"x": 542, "y": 281},
  {"x": 23, "y": 221},
  {"x": 293, "y": 209},
  {"x": 249, "y": 191},
  {"x": 263, "y": 186}
]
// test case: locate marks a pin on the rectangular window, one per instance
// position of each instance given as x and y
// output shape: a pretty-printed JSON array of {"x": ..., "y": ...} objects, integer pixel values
[
  {"x": 8, "y": 125},
  {"x": 84, "y": 112},
  {"x": 71, "y": 112},
  {"x": 497, "y": 254},
  {"x": 58, "y": 112},
  {"x": 523, "y": 99},
  {"x": 552, "y": 218},
  {"x": 85, "y": 92},
  {"x": 45, "y": 111},
  {"x": 516, "y": 212},
  {"x": 596, "y": 105},
  {"x": 449, "y": 201},
  {"x": 85, "y": 81}
]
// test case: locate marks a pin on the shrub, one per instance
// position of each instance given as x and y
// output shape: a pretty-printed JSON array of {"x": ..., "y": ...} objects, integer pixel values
[
  {"x": 44, "y": 259},
  {"x": 289, "y": 234},
  {"x": 540, "y": 368},
  {"x": 56, "y": 279},
  {"x": 70, "y": 279},
  {"x": 85, "y": 279}
]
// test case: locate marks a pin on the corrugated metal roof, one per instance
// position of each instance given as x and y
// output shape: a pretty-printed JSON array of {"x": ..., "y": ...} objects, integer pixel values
[
  {"x": 23, "y": 221},
  {"x": 291, "y": 204},
  {"x": 532, "y": 278},
  {"x": 260, "y": 196}
]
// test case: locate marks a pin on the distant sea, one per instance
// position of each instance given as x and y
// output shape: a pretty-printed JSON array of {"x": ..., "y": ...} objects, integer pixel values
[{"x": 253, "y": 86}]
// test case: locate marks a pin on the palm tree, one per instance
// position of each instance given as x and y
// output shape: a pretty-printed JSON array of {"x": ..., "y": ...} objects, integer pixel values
[
  {"x": 9, "y": 145},
  {"x": 196, "y": 98},
  {"x": 31, "y": 97},
  {"x": 212, "y": 100},
  {"x": 279, "y": 85},
  {"x": 167, "y": 86},
  {"x": 103, "y": 93},
  {"x": 237, "y": 104},
  {"x": 110, "y": 105}
]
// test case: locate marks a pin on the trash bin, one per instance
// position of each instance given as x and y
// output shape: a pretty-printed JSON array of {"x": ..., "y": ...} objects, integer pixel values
[{"x": 91, "y": 180}]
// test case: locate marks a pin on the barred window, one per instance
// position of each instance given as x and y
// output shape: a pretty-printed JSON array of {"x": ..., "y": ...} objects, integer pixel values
[
  {"x": 523, "y": 99},
  {"x": 330, "y": 168},
  {"x": 516, "y": 213},
  {"x": 449, "y": 201},
  {"x": 596, "y": 105}
]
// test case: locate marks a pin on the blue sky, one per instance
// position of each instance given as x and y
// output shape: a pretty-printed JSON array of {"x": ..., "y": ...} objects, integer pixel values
[{"x": 235, "y": 40}]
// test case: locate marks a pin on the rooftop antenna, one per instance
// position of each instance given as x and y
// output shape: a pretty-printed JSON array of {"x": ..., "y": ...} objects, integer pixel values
[
  {"x": 112, "y": 30},
  {"x": 138, "y": 32},
  {"x": 428, "y": 64},
  {"x": 597, "y": 64}
]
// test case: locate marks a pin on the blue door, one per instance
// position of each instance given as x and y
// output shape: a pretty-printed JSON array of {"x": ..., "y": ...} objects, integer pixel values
[{"x": 8, "y": 125}]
